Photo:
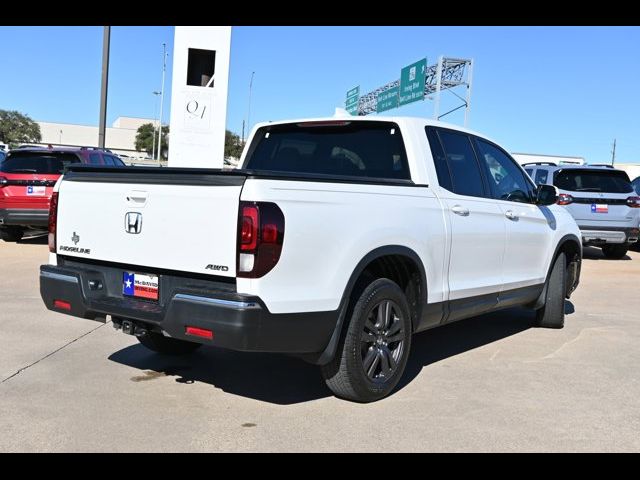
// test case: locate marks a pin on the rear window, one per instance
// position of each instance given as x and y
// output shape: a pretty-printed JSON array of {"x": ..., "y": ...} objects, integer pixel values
[
  {"x": 31, "y": 162},
  {"x": 352, "y": 149},
  {"x": 592, "y": 181}
]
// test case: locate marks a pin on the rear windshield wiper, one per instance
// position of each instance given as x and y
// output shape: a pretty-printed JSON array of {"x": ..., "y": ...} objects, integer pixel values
[
  {"x": 588, "y": 190},
  {"x": 24, "y": 170}
]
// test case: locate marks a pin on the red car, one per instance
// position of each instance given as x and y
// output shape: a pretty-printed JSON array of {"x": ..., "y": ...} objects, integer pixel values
[{"x": 27, "y": 177}]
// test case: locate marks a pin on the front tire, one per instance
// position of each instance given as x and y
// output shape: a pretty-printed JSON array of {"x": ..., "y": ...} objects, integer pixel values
[
  {"x": 615, "y": 251},
  {"x": 166, "y": 345},
  {"x": 11, "y": 234},
  {"x": 375, "y": 347},
  {"x": 551, "y": 315}
]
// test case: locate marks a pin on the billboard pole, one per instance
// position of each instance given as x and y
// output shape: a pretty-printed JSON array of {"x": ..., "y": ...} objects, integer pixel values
[{"x": 106, "y": 37}]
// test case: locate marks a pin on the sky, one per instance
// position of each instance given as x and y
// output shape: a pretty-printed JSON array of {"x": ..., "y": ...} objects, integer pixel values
[{"x": 548, "y": 90}]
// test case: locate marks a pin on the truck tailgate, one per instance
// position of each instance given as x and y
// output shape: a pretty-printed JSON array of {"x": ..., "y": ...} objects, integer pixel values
[{"x": 155, "y": 218}]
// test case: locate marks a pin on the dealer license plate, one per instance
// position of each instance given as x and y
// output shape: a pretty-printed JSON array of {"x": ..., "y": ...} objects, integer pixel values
[{"x": 140, "y": 285}]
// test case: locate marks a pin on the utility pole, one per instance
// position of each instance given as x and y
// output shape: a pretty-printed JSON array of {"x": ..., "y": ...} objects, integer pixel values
[
  {"x": 164, "y": 67},
  {"x": 249, "y": 110},
  {"x": 242, "y": 131},
  {"x": 613, "y": 153},
  {"x": 106, "y": 38}
]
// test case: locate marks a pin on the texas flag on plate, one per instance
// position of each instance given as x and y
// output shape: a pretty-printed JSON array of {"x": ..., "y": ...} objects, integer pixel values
[
  {"x": 140, "y": 285},
  {"x": 599, "y": 208}
]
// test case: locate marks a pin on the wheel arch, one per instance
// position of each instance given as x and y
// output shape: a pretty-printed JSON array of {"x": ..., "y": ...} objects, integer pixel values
[
  {"x": 571, "y": 246},
  {"x": 369, "y": 264}
]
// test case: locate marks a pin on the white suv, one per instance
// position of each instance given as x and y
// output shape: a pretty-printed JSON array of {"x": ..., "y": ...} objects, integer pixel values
[{"x": 600, "y": 198}]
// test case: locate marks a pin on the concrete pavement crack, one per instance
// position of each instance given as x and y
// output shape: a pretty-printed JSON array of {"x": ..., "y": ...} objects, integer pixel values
[{"x": 53, "y": 353}]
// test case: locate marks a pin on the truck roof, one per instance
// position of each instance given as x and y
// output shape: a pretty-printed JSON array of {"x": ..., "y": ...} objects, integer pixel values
[{"x": 400, "y": 120}]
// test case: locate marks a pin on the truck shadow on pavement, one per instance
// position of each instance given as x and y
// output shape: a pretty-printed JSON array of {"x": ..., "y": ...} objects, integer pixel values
[
  {"x": 595, "y": 253},
  {"x": 285, "y": 380}
]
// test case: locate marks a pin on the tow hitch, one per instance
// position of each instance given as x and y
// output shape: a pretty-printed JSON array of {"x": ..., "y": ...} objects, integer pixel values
[{"x": 129, "y": 327}]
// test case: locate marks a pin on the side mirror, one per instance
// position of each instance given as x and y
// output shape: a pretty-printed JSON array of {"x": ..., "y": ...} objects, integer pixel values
[{"x": 546, "y": 194}]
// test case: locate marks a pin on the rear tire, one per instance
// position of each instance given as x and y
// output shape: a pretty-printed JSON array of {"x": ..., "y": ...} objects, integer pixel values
[
  {"x": 615, "y": 251},
  {"x": 166, "y": 345},
  {"x": 11, "y": 234},
  {"x": 551, "y": 315},
  {"x": 373, "y": 352}
]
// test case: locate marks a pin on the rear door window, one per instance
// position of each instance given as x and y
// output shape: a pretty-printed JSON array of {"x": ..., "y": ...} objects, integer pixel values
[
  {"x": 44, "y": 163},
  {"x": 466, "y": 178},
  {"x": 94, "y": 159},
  {"x": 342, "y": 148},
  {"x": 541, "y": 176},
  {"x": 592, "y": 180}
]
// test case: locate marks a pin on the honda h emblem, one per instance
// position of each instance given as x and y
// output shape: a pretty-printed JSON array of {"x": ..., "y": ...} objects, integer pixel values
[{"x": 133, "y": 222}]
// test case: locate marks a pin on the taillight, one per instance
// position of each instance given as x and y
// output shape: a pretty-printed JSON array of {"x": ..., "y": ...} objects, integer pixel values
[
  {"x": 564, "y": 199},
  {"x": 53, "y": 220},
  {"x": 633, "y": 202},
  {"x": 260, "y": 238},
  {"x": 3, "y": 181}
]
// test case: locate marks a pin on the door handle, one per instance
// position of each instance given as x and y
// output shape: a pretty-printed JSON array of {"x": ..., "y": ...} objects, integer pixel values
[
  {"x": 510, "y": 215},
  {"x": 459, "y": 210}
]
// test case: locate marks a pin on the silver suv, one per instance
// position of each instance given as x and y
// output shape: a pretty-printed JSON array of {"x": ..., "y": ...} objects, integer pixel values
[{"x": 601, "y": 200}]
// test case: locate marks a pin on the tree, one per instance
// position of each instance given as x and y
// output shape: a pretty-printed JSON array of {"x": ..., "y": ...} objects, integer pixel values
[
  {"x": 16, "y": 128},
  {"x": 233, "y": 145},
  {"x": 144, "y": 138}
]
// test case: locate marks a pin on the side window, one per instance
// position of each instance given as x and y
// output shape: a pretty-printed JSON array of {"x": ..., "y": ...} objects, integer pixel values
[
  {"x": 505, "y": 177},
  {"x": 94, "y": 159},
  {"x": 108, "y": 160},
  {"x": 116, "y": 161},
  {"x": 440, "y": 161},
  {"x": 466, "y": 178},
  {"x": 636, "y": 185},
  {"x": 541, "y": 176},
  {"x": 529, "y": 171}
]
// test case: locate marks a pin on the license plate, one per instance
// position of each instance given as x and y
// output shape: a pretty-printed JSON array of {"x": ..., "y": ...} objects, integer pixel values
[
  {"x": 36, "y": 191},
  {"x": 140, "y": 285},
  {"x": 599, "y": 208}
]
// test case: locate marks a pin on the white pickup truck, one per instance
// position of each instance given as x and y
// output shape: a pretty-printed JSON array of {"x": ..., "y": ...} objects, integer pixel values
[{"x": 336, "y": 241}]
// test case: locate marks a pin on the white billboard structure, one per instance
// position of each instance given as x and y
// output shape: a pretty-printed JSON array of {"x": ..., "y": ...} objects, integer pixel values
[{"x": 199, "y": 96}]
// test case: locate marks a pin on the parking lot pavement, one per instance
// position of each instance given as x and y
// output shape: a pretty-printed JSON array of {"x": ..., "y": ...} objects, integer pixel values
[{"x": 492, "y": 383}]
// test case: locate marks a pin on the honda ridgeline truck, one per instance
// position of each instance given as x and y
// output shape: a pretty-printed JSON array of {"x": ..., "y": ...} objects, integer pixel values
[{"x": 336, "y": 240}]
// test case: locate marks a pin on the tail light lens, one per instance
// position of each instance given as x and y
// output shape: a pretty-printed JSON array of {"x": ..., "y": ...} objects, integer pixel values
[
  {"x": 53, "y": 220},
  {"x": 564, "y": 199},
  {"x": 633, "y": 202},
  {"x": 260, "y": 238}
]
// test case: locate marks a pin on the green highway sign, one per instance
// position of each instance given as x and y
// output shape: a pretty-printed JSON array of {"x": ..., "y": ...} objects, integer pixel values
[
  {"x": 351, "y": 103},
  {"x": 412, "y": 82},
  {"x": 387, "y": 100}
]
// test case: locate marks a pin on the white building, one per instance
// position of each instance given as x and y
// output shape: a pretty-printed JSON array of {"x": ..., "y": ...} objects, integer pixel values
[
  {"x": 120, "y": 137},
  {"x": 557, "y": 159}
]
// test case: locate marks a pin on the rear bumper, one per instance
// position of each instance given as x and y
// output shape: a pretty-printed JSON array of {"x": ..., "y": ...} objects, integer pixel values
[
  {"x": 238, "y": 322},
  {"x": 24, "y": 217},
  {"x": 594, "y": 235}
]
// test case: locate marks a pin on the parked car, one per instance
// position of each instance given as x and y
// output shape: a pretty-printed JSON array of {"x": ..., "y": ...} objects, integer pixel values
[
  {"x": 27, "y": 177},
  {"x": 600, "y": 198},
  {"x": 336, "y": 241}
]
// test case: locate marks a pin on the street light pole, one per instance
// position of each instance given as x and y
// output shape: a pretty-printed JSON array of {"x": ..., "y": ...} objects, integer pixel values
[
  {"x": 155, "y": 123},
  {"x": 164, "y": 67},
  {"x": 249, "y": 109},
  {"x": 106, "y": 38}
]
